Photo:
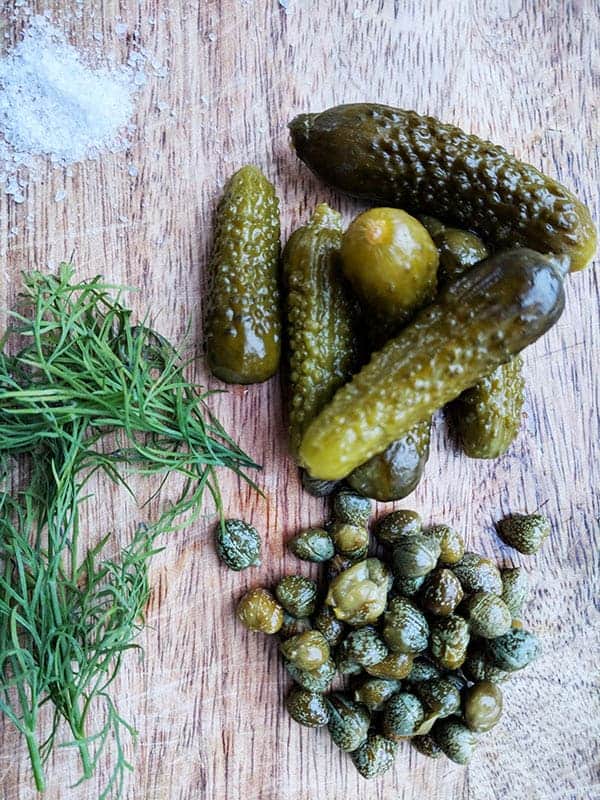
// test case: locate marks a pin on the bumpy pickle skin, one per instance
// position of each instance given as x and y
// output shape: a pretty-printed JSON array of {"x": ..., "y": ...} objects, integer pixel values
[
  {"x": 487, "y": 417},
  {"x": 400, "y": 158},
  {"x": 476, "y": 323},
  {"x": 320, "y": 316},
  {"x": 243, "y": 331}
]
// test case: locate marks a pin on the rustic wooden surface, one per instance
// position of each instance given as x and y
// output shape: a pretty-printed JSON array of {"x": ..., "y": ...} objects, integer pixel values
[{"x": 207, "y": 698}]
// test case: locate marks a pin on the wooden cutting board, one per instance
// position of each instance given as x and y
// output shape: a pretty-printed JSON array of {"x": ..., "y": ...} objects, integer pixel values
[{"x": 207, "y": 697}]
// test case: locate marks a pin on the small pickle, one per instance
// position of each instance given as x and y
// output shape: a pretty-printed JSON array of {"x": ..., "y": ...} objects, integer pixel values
[
  {"x": 238, "y": 544},
  {"x": 298, "y": 595},
  {"x": 351, "y": 541},
  {"x": 440, "y": 695},
  {"x": 307, "y": 651},
  {"x": 427, "y": 746},
  {"x": 243, "y": 337},
  {"x": 395, "y": 473},
  {"x": 449, "y": 641},
  {"x": 351, "y": 508},
  {"x": 314, "y": 544},
  {"x": 259, "y": 611},
  {"x": 525, "y": 532},
  {"x": 375, "y": 756},
  {"x": 348, "y": 722},
  {"x": 315, "y": 680},
  {"x": 392, "y": 528},
  {"x": 307, "y": 708},
  {"x": 326, "y": 622},
  {"x": 482, "y": 706},
  {"x": 452, "y": 546},
  {"x": 402, "y": 716},
  {"x": 292, "y": 626},
  {"x": 455, "y": 739},
  {"x": 459, "y": 251},
  {"x": 488, "y": 615},
  {"x": 394, "y": 665},
  {"x": 513, "y": 651},
  {"x": 320, "y": 315},
  {"x": 405, "y": 628},
  {"x": 365, "y": 647},
  {"x": 359, "y": 594},
  {"x": 415, "y": 555},
  {"x": 478, "y": 574},
  {"x": 442, "y": 592},
  {"x": 515, "y": 588},
  {"x": 391, "y": 262},
  {"x": 374, "y": 692}
]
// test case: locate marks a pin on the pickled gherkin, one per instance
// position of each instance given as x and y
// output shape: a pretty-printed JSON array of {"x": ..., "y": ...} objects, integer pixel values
[
  {"x": 243, "y": 336},
  {"x": 476, "y": 323},
  {"x": 320, "y": 316},
  {"x": 401, "y": 158}
]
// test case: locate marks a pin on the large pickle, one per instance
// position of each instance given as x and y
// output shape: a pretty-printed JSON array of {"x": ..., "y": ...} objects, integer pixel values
[
  {"x": 476, "y": 323},
  {"x": 487, "y": 417},
  {"x": 320, "y": 313},
  {"x": 394, "y": 157},
  {"x": 243, "y": 332}
]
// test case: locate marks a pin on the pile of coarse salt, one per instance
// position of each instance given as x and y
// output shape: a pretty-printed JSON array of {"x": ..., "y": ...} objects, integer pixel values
[{"x": 55, "y": 105}]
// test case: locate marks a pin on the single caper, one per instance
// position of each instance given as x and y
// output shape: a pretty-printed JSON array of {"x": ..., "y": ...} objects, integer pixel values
[
  {"x": 308, "y": 650},
  {"x": 482, "y": 706},
  {"x": 449, "y": 640},
  {"x": 259, "y": 611},
  {"x": 488, "y": 614},
  {"x": 408, "y": 587},
  {"x": 346, "y": 665},
  {"x": 392, "y": 528},
  {"x": 394, "y": 665},
  {"x": 525, "y": 532},
  {"x": 297, "y": 594},
  {"x": 375, "y": 756},
  {"x": 442, "y": 592},
  {"x": 238, "y": 544},
  {"x": 352, "y": 508},
  {"x": 337, "y": 565},
  {"x": 329, "y": 625},
  {"x": 292, "y": 626},
  {"x": 314, "y": 544},
  {"x": 405, "y": 628},
  {"x": 515, "y": 588},
  {"x": 455, "y": 739},
  {"x": 365, "y": 647},
  {"x": 478, "y": 574},
  {"x": 348, "y": 722},
  {"x": 415, "y": 555},
  {"x": 358, "y": 595},
  {"x": 452, "y": 545},
  {"x": 318, "y": 487},
  {"x": 308, "y": 708},
  {"x": 440, "y": 695},
  {"x": 422, "y": 670},
  {"x": 426, "y": 746},
  {"x": 315, "y": 680},
  {"x": 479, "y": 667},
  {"x": 402, "y": 716},
  {"x": 513, "y": 651},
  {"x": 374, "y": 692},
  {"x": 351, "y": 541}
]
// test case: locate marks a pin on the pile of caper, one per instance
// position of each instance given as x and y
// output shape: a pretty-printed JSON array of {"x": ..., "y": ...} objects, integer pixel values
[{"x": 421, "y": 636}]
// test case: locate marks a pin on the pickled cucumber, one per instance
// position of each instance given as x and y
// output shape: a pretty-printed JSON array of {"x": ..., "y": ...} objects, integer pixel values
[
  {"x": 243, "y": 332},
  {"x": 320, "y": 319},
  {"x": 487, "y": 417},
  {"x": 400, "y": 158},
  {"x": 476, "y": 323}
]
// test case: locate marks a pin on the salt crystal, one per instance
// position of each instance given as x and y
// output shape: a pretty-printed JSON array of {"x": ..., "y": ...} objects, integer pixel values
[
  {"x": 133, "y": 170},
  {"x": 212, "y": 37},
  {"x": 60, "y": 196},
  {"x": 121, "y": 28}
]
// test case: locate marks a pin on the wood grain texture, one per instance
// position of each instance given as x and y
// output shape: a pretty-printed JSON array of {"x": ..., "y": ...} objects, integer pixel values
[{"x": 207, "y": 697}]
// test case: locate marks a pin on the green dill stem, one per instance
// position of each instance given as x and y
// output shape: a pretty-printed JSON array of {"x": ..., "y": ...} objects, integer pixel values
[{"x": 36, "y": 761}]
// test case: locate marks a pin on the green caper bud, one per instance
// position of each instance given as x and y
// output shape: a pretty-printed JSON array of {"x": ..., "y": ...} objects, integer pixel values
[
  {"x": 452, "y": 546},
  {"x": 456, "y": 679},
  {"x": 456, "y": 741},
  {"x": 488, "y": 615},
  {"x": 405, "y": 628},
  {"x": 359, "y": 594},
  {"x": 415, "y": 555},
  {"x": 337, "y": 565},
  {"x": 348, "y": 722},
  {"x": 318, "y": 487},
  {"x": 408, "y": 587},
  {"x": 346, "y": 665},
  {"x": 308, "y": 708},
  {"x": 513, "y": 651},
  {"x": 482, "y": 706},
  {"x": 238, "y": 544},
  {"x": 449, "y": 640},
  {"x": 352, "y": 508},
  {"x": 298, "y": 595},
  {"x": 525, "y": 532},
  {"x": 440, "y": 695},
  {"x": 442, "y": 592},
  {"x": 375, "y": 756},
  {"x": 351, "y": 541},
  {"x": 329, "y": 625},
  {"x": 315, "y": 544},
  {"x": 392, "y": 528},
  {"x": 315, "y": 680},
  {"x": 307, "y": 650},
  {"x": 515, "y": 588},
  {"x": 402, "y": 716},
  {"x": 374, "y": 692},
  {"x": 365, "y": 647},
  {"x": 478, "y": 574},
  {"x": 479, "y": 667},
  {"x": 394, "y": 665},
  {"x": 422, "y": 670},
  {"x": 426, "y": 746},
  {"x": 259, "y": 611},
  {"x": 292, "y": 626}
]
